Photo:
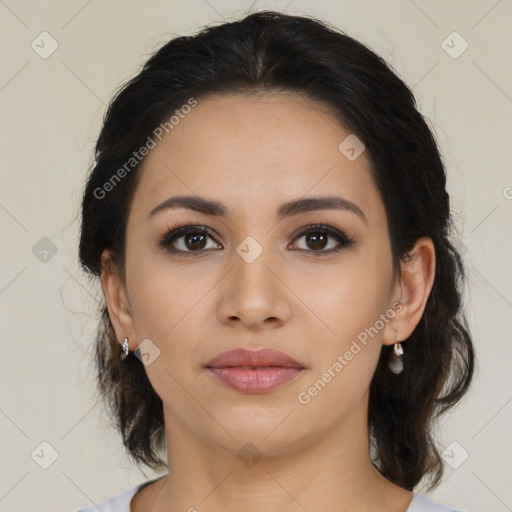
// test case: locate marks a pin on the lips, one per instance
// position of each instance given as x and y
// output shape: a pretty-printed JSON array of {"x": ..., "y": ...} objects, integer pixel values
[
  {"x": 252, "y": 372},
  {"x": 247, "y": 359}
]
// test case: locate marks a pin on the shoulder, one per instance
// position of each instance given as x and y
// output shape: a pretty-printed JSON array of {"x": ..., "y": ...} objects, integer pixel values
[
  {"x": 119, "y": 503},
  {"x": 421, "y": 503}
]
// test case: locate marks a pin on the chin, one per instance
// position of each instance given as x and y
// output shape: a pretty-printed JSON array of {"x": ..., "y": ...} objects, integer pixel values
[{"x": 270, "y": 431}]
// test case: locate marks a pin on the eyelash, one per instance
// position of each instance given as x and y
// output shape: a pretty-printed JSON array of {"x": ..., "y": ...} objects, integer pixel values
[{"x": 173, "y": 234}]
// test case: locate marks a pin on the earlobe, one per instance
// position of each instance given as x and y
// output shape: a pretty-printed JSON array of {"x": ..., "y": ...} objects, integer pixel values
[
  {"x": 116, "y": 298},
  {"x": 413, "y": 288}
]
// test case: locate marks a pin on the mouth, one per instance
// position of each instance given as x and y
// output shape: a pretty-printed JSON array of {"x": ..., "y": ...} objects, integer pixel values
[
  {"x": 257, "y": 380},
  {"x": 250, "y": 359},
  {"x": 254, "y": 372}
]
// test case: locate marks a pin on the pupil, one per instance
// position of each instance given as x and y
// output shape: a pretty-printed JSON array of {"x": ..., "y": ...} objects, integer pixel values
[
  {"x": 192, "y": 241},
  {"x": 314, "y": 238}
]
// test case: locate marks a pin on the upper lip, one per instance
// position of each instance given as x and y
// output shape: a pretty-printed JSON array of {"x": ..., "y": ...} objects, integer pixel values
[{"x": 257, "y": 358}]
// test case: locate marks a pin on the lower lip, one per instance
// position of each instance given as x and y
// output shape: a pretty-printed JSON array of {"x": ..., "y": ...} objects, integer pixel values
[{"x": 258, "y": 380}]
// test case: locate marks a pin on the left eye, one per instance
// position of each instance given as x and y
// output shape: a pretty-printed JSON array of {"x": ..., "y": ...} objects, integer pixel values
[{"x": 317, "y": 236}]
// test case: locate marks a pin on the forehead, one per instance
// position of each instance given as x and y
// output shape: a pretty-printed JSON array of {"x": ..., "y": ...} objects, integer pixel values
[{"x": 251, "y": 150}]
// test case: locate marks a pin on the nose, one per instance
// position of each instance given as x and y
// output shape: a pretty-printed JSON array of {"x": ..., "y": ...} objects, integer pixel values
[{"x": 254, "y": 294}]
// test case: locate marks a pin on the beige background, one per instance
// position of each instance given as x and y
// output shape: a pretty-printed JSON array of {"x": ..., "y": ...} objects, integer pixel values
[{"x": 51, "y": 113}]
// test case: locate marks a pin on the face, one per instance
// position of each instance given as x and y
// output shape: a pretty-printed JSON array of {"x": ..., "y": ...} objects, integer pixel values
[{"x": 260, "y": 274}]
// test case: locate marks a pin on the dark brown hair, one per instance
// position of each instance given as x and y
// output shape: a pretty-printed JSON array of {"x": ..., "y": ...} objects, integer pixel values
[{"x": 266, "y": 52}]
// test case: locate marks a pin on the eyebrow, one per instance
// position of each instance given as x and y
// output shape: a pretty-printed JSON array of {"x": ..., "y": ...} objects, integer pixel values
[{"x": 296, "y": 207}]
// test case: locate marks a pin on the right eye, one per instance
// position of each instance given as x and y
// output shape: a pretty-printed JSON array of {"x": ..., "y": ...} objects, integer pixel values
[{"x": 187, "y": 240}]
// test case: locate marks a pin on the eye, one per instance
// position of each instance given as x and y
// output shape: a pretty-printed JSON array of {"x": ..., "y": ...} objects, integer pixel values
[
  {"x": 317, "y": 237},
  {"x": 188, "y": 239}
]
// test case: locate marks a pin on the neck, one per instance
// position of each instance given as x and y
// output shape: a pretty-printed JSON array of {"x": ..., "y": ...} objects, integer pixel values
[{"x": 330, "y": 472}]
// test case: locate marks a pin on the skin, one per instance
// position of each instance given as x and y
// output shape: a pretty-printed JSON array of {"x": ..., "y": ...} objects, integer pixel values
[{"x": 254, "y": 153}]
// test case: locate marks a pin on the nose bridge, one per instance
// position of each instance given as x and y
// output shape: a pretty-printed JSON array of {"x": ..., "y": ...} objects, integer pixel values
[
  {"x": 253, "y": 292},
  {"x": 251, "y": 275}
]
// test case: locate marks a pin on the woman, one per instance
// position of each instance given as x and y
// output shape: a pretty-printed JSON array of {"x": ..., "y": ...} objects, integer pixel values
[{"x": 269, "y": 221}]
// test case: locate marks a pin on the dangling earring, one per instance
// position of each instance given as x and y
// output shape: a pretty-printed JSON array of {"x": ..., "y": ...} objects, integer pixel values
[
  {"x": 126, "y": 349},
  {"x": 396, "y": 363}
]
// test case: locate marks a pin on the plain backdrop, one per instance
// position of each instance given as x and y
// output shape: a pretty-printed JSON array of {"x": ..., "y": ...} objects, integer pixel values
[{"x": 52, "y": 106}]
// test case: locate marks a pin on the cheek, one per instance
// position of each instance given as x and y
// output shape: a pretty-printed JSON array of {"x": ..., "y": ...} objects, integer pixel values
[
  {"x": 353, "y": 305},
  {"x": 164, "y": 303},
  {"x": 354, "y": 309},
  {"x": 171, "y": 306},
  {"x": 349, "y": 299},
  {"x": 162, "y": 293}
]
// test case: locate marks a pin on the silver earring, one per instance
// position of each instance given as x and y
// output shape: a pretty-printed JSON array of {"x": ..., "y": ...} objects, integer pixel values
[
  {"x": 126, "y": 349},
  {"x": 396, "y": 363}
]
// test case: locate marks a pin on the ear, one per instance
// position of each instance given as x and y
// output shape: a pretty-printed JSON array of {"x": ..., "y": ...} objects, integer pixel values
[
  {"x": 117, "y": 300},
  {"x": 411, "y": 290}
]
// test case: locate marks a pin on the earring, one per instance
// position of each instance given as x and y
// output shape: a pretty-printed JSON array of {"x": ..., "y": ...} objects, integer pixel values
[
  {"x": 126, "y": 349},
  {"x": 396, "y": 363}
]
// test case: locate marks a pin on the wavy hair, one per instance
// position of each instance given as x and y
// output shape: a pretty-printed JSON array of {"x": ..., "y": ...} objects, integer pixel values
[{"x": 262, "y": 53}]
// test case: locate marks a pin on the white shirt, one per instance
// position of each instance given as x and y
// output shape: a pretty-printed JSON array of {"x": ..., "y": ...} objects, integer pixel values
[{"x": 121, "y": 502}]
